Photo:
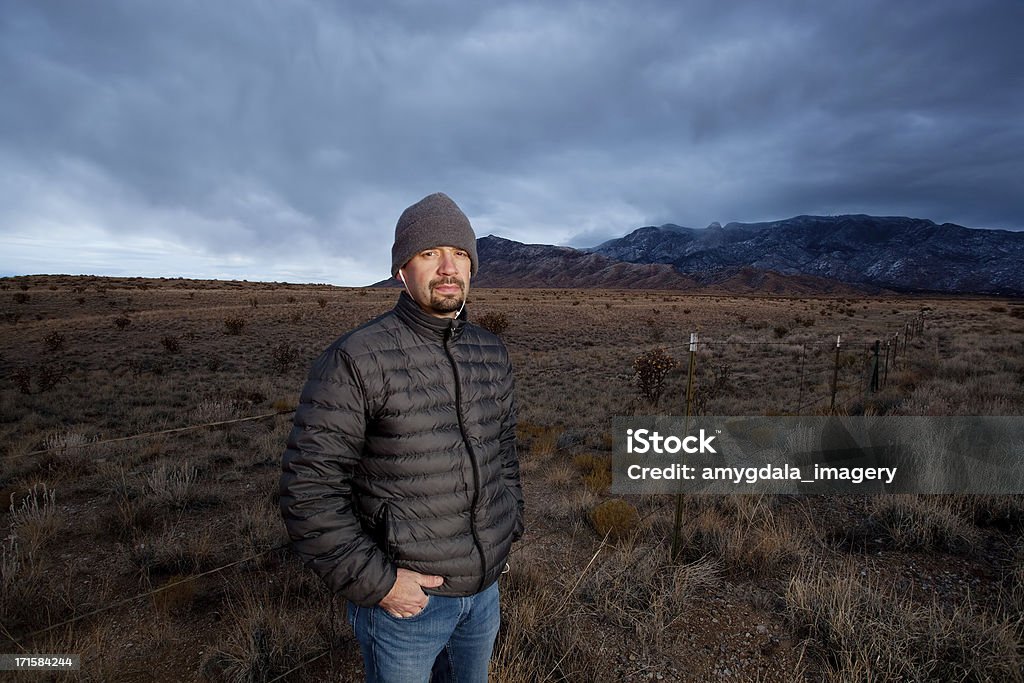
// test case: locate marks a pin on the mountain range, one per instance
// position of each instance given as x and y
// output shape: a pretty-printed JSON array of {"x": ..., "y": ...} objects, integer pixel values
[{"x": 802, "y": 255}]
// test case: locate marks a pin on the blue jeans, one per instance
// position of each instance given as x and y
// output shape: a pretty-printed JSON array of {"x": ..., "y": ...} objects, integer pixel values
[{"x": 449, "y": 641}]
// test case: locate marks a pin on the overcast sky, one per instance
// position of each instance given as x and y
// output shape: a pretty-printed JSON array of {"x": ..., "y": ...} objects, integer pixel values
[{"x": 281, "y": 139}]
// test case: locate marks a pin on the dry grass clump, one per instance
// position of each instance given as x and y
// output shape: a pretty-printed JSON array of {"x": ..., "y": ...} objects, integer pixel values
[
  {"x": 67, "y": 453},
  {"x": 209, "y": 411},
  {"x": 596, "y": 471},
  {"x": 36, "y": 519},
  {"x": 22, "y": 594},
  {"x": 261, "y": 528},
  {"x": 543, "y": 636},
  {"x": 539, "y": 441},
  {"x": 1002, "y": 511},
  {"x": 860, "y": 630},
  {"x": 637, "y": 587},
  {"x": 261, "y": 640},
  {"x": 185, "y": 550},
  {"x": 171, "y": 486},
  {"x": 615, "y": 519},
  {"x": 177, "y": 487},
  {"x": 744, "y": 534},
  {"x": 924, "y": 523}
]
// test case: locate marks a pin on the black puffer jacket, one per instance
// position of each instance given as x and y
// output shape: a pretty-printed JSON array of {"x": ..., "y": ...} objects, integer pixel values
[{"x": 403, "y": 455}]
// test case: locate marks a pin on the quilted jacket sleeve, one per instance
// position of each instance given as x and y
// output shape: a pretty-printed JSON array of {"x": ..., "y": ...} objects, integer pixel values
[
  {"x": 510, "y": 459},
  {"x": 324, "y": 446}
]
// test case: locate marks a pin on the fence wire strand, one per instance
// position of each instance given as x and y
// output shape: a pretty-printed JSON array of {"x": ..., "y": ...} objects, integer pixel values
[
  {"x": 164, "y": 587},
  {"x": 143, "y": 435}
]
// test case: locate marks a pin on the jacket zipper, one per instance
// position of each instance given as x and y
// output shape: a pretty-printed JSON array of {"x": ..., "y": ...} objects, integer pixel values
[{"x": 472, "y": 456}]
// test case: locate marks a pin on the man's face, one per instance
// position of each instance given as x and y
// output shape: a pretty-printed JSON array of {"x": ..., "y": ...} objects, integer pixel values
[{"x": 438, "y": 280}]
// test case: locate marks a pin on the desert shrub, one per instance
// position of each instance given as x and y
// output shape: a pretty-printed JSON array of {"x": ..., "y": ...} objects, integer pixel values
[
  {"x": 234, "y": 325},
  {"x": 20, "y": 298},
  {"x": 254, "y": 302},
  {"x": 283, "y": 357},
  {"x": 122, "y": 322},
  {"x": 54, "y": 341},
  {"x": 22, "y": 378},
  {"x": 615, "y": 519},
  {"x": 781, "y": 331},
  {"x": 171, "y": 343},
  {"x": 49, "y": 375},
  {"x": 321, "y": 302},
  {"x": 493, "y": 322},
  {"x": 649, "y": 372}
]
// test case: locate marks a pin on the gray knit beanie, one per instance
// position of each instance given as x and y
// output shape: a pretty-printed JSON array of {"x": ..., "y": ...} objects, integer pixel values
[{"x": 434, "y": 221}]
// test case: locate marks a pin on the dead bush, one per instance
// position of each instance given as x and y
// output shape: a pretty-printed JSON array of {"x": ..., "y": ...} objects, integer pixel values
[
  {"x": 284, "y": 357},
  {"x": 234, "y": 325},
  {"x": 171, "y": 343},
  {"x": 54, "y": 341},
  {"x": 493, "y": 322},
  {"x": 649, "y": 372}
]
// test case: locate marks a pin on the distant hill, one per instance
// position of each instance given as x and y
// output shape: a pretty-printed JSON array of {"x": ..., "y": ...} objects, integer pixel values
[
  {"x": 506, "y": 263},
  {"x": 905, "y": 254}
]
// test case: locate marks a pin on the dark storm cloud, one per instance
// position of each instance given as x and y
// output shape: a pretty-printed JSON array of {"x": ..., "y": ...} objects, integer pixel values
[{"x": 286, "y": 137}]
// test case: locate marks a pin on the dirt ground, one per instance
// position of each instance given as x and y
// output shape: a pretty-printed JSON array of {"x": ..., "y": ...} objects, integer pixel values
[{"x": 159, "y": 556}]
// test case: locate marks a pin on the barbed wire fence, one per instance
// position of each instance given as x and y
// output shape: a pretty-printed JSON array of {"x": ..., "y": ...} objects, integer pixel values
[{"x": 846, "y": 371}]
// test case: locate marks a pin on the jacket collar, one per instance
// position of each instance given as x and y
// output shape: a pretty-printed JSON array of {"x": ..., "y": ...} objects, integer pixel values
[{"x": 427, "y": 325}]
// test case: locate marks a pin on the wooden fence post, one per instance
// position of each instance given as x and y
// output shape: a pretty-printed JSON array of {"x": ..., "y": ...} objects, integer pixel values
[
  {"x": 800, "y": 395},
  {"x": 677, "y": 525},
  {"x": 835, "y": 378},
  {"x": 874, "y": 365},
  {"x": 885, "y": 378}
]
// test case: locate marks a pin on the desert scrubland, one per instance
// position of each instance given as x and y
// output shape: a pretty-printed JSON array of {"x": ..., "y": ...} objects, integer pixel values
[{"x": 159, "y": 555}]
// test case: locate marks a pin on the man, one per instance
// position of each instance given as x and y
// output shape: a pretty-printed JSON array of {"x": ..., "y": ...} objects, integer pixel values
[{"x": 401, "y": 484}]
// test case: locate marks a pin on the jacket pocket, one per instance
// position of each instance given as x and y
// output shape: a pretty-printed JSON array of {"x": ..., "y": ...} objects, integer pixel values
[{"x": 384, "y": 526}]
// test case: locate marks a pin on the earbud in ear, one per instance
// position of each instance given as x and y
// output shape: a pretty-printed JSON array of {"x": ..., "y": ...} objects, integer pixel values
[{"x": 401, "y": 277}]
